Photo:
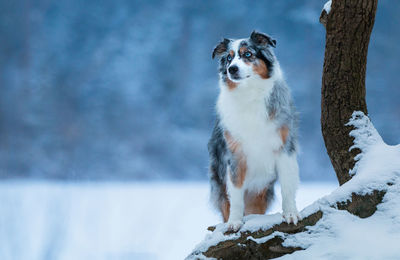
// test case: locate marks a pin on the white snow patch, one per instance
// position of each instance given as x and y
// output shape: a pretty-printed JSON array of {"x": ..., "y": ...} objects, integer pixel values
[
  {"x": 365, "y": 135},
  {"x": 266, "y": 238},
  {"x": 327, "y": 6},
  {"x": 254, "y": 222}
]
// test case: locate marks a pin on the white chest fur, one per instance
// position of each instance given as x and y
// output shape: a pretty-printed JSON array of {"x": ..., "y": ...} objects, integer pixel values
[{"x": 244, "y": 114}]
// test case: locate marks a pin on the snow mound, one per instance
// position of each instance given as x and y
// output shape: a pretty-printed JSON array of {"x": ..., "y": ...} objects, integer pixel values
[
  {"x": 341, "y": 235},
  {"x": 365, "y": 135}
]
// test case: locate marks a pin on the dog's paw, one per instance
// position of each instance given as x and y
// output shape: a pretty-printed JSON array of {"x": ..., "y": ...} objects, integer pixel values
[
  {"x": 291, "y": 217},
  {"x": 234, "y": 225}
]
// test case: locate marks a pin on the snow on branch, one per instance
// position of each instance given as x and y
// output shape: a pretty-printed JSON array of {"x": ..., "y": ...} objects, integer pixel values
[
  {"x": 327, "y": 6},
  {"x": 324, "y": 13},
  {"x": 365, "y": 135}
]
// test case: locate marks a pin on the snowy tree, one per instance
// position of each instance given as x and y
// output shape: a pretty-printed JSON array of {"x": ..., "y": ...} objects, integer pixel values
[{"x": 334, "y": 227}]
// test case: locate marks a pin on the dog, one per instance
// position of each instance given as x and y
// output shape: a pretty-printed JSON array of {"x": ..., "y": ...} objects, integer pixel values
[{"x": 254, "y": 140}]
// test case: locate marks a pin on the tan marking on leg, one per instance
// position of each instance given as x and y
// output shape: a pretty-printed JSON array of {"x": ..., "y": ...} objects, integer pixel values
[
  {"x": 255, "y": 203},
  {"x": 238, "y": 180},
  {"x": 232, "y": 144},
  {"x": 231, "y": 85},
  {"x": 241, "y": 168},
  {"x": 261, "y": 69},
  {"x": 284, "y": 132},
  {"x": 225, "y": 207}
]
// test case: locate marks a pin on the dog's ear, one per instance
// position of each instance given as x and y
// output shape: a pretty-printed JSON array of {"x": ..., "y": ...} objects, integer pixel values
[
  {"x": 221, "y": 48},
  {"x": 262, "y": 39}
]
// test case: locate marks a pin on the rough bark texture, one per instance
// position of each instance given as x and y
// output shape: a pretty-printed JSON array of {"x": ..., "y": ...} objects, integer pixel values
[
  {"x": 348, "y": 29},
  {"x": 362, "y": 206}
]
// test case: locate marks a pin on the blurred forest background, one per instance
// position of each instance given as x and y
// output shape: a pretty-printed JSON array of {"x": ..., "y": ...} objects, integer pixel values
[{"x": 125, "y": 90}]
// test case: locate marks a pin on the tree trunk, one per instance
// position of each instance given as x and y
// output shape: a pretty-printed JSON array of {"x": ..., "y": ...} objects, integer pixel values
[{"x": 348, "y": 29}]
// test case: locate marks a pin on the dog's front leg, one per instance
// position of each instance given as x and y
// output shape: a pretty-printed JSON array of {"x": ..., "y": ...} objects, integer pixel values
[
  {"x": 236, "y": 199},
  {"x": 288, "y": 173}
]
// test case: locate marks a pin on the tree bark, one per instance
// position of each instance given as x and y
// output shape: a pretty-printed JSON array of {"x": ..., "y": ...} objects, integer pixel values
[{"x": 348, "y": 29}]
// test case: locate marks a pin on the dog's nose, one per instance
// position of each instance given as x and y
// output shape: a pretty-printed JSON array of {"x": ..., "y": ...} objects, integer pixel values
[{"x": 233, "y": 69}]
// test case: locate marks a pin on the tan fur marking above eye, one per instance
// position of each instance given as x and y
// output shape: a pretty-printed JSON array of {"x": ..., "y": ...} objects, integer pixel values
[
  {"x": 261, "y": 69},
  {"x": 242, "y": 50},
  {"x": 236, "y": 149},
  {"x": 255, "y": 203},
  {"x": 284, "y": 132},
  {"x": 231, "y": 85},
  {"x": 232, "y": 53}
]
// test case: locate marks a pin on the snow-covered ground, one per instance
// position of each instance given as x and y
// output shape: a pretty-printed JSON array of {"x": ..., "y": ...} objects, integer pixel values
[{"x": 44, "y": 220}]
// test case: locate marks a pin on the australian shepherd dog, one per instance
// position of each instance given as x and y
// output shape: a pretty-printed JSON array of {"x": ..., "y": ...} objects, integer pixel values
[{"x": 254, "y": 141}]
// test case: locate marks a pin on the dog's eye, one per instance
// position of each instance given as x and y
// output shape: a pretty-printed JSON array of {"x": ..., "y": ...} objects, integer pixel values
[
  {"x": 248, "y": 54},
  {"x": 229, "y": 58}
]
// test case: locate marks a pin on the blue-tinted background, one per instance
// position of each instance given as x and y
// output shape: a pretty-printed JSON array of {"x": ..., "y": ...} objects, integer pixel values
[{"x": 125, "y": 90}]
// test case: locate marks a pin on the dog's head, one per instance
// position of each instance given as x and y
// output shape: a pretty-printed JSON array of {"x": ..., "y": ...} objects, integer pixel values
[{"x": 244, "y": 59}]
